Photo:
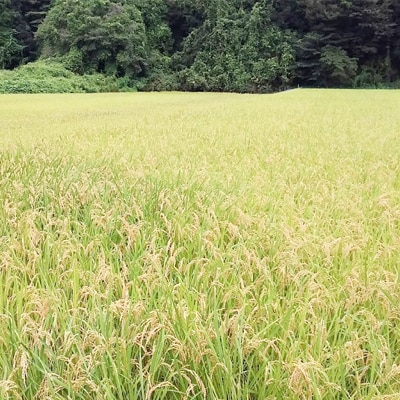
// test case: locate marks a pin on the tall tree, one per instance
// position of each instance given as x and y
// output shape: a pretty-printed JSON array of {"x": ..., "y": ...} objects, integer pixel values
[
  {"x": 28, "y": 15},
  {"x": 237, "y": 48},
  {"x": 374, "y": 27},
  {"x": 158, "y": 36},
  {"x": 183, "y": 17},
  {"x": 322, "y": 53},
  {"x": 10, "y": 48},
  {"x": 96, "y": 35},
  {"x": 395, "y": 42}
]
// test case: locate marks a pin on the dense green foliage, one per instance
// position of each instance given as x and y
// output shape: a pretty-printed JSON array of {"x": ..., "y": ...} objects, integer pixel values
[
  {"x": 9, "y": 46},
  {"x": 19, "y": 21},
  {"x": 218, "y": 45},
  {"x": 102, "y": 36},
  {"x": 52, "y": 77}
]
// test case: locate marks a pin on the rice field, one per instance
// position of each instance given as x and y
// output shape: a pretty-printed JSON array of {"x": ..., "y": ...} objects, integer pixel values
[{"x": 200, "y": 246}]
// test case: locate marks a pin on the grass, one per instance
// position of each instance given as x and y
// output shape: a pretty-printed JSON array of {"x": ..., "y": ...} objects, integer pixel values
[{"x": 200, "y": 246}]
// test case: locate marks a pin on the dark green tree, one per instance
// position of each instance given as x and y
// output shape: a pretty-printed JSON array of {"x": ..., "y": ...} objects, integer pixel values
[
  {"x": 374, "y": 29},
  {"x": 10, "y": 48},
  {"x": 395, "y": 41},
  {"x": 183, "y": 17},
  {"x": 96, "y": 35},
  {"x": 158, "y": 44},
  {"x": 237, "y": 48},
  {"x": 347, "y": 42},
  {"x": 27, "y": 16}
]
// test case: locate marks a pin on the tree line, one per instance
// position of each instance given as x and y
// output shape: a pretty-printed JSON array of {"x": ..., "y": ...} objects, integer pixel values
[{"x": 210, "y": 45}]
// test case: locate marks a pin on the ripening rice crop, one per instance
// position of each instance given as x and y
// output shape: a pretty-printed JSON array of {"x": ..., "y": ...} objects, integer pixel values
[{"x": 200, "y": 246}]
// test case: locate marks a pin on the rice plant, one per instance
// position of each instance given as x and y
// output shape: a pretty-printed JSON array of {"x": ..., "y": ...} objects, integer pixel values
[{"x": 200, "y": 246}]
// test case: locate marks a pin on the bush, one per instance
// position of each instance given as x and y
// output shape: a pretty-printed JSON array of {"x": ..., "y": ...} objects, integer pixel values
[
  {"x": 52, "y": 77},
  {"x": 368, "y": 78},
  {"x": 159, "y": 82}
]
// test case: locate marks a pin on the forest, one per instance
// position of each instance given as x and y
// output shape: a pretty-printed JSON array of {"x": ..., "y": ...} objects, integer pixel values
[{"x": 254, "y": 46}]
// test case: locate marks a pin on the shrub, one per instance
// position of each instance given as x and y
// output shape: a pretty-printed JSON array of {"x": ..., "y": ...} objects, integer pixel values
[{"x": 53, "y": 77}]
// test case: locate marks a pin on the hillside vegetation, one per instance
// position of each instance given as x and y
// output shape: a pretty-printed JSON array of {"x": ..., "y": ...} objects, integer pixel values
[{"x": 253, "y": 46}]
